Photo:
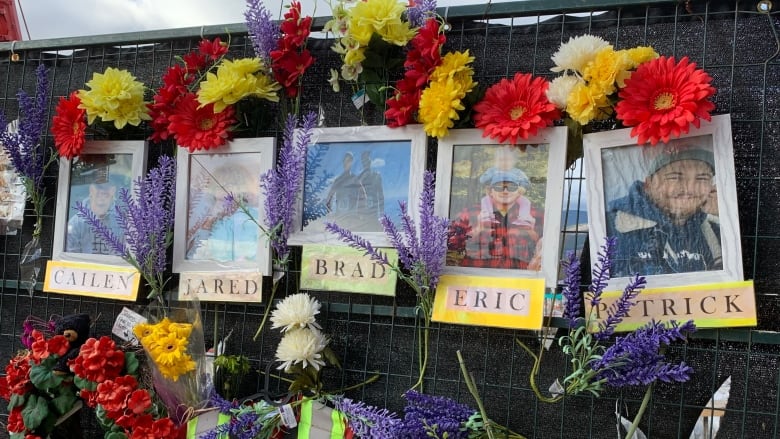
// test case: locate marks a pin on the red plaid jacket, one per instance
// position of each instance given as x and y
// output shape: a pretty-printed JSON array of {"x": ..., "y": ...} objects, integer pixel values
[{"x": 499, "y": 243}]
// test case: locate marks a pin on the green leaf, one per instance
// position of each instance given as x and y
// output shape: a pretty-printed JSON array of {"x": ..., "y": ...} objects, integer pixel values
[
  {"x": 43, "y": 377},
  {"x": 35, "y": 412},
  {"x": 115, "y": 435},
  {"x": 16, "y": 401},
  {"x": 85, "y": 384},
  {"x": 64, "y": 402},
  {"x": 131, "y": 363}
]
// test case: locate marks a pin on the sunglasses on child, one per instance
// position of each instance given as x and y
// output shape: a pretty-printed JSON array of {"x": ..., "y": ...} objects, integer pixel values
[{"x": 510, "y": 187}]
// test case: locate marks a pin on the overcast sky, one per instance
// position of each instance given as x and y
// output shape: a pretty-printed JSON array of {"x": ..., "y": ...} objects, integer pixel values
[{"x": 70, "y": 18}]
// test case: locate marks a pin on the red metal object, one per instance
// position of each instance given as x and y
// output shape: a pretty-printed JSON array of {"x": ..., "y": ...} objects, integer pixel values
[{"x": 9, "y": 22}]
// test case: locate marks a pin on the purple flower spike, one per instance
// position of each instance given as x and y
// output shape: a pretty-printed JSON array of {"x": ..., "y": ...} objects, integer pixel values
[
  {"x": 263, "y": 31},
  {"x": 366, "y": 421},
  {"x": 282, "y": 185},
  {"x": 571, "y": 288},
  {"x": 601, "y": 270},
  {"x": 421, "y": 11},
  {"x": 24, "y": 148},
  {"x": 620, "y": 308}
]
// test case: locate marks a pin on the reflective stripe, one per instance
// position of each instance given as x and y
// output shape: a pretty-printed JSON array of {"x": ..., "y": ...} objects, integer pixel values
[
  {"x": 338, "y": 429},
  {"x": 304, "y": 425},
  {"x": 192, "y": 425}
]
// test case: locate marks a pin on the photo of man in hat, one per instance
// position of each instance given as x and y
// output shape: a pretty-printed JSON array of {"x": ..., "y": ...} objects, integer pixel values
[
  {"x": 103, "y": 187},
  {"x": 664, "y": 224}
]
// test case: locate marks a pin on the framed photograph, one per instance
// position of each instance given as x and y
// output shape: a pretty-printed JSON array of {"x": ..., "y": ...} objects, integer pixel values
[
  {"x": 94, "y": 178},
  {"x": 504, "y": 202},
  {"x": 672, "y": 207},
  {"x": 354, "y": 176},
  {"x": 219, "y": 208}
]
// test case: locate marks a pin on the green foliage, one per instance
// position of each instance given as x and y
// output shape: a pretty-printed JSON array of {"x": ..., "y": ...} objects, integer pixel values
[
  {"x": 64, "y": 402},
  {"x": 583, "y": 350},
  {"x": 16, "y": 401},
  {"x": 43, "y": 377},
  {"x": 34, "y": 413},
  {"x": 131, "y": 363}
]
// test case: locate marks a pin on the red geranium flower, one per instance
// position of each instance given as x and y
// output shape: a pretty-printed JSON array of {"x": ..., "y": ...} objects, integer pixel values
[
  {"x": 58, "y": 345},
  {"x": 516, "y": 108},
  {"x": 113, "y": 394},
  {"x": 17, "y": 376},
  {"x": 200, "y": 128},
  {"x": 68, "y": 126},
  {"x": 662, "y": 98},
  {"x": 15, "y": 421},
  {"x": 98, "y": 360},
  {"x": 139, "y": 401}
]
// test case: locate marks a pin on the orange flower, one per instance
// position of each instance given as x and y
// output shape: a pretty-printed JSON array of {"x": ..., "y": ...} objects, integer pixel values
[
  {"x": 515, "y": 108},
  {"x": 662, "y": 98}
]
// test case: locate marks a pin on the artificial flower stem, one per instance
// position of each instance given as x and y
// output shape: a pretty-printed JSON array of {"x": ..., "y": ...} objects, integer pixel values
[
  {"x": 642, "y": 408},
  {"x": 534, "y": 372},
  {"x": 475, "y": 393},
  {"x": 423, "y": 334},
  {"x": 358, "y": 385},
  {"x": 267, "y": 312}
]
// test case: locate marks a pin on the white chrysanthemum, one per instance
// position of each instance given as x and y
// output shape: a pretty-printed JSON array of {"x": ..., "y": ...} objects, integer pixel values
[
  {"x": 296, "y": 311},
  {"x": 560, "y": 88},
  {"x": 576, "y": 54},
  {"x": 301, "y": 346}
]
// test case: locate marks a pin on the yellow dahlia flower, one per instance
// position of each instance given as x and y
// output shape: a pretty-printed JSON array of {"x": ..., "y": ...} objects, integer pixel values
[
  {"x": 641, "y": 54},
  {"x": 454, "y": 65},
  {"x": 382, "y": 17},
  {"x": 236, "y": 80},
  {"x": 114, "y": 95},
  {"x": 602, "y": 72},
  {"x": 439, "y": 106},
  {"x": 584, "y": 105}
]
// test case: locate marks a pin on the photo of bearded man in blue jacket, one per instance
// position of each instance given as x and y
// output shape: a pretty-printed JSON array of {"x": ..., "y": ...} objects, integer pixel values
[{"x": 666, "y": 223}]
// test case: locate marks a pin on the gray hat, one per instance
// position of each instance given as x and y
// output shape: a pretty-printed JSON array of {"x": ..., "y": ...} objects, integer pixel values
[{"x": 664, "y": 159}]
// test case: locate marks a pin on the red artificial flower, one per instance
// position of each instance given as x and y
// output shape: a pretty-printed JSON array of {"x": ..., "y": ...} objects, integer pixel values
[
  {"x": 98, "y": 360},
  {"x": 213, "y": 50},
  {"x": 423, "y": 57},
  {"x": 142, "y": 428},
  {"x": 68, "y": 126},
  {"x": 195, "y": 62},
  {"x": 17, "y": 376},
  {"x": 32, "y": 436},
  {"x": 139, "y": 401},
  {"x": 58, "y": 345},
  {"x": 15, "y": 421},
  {"x": 112, "y": 394},
  {"x": 165, "y": 429},
  {"x": 89, "y": 397},
  {"x": 515, "y": 109},
  {"x": 40, "y": 350},
  {"x": 294, "y": 29},
  {"x": 5, "y": 392},
  {"x": 662, "y": 98},
  {"x": 200, "y": 128},
  {"x": 288, "y": 66}
]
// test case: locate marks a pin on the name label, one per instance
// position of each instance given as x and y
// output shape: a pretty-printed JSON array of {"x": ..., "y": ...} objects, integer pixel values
[
  {"x": 234, "y": 286},
  {"x": 488, "y": 301},
  {"x": 341, "y": 268},
  {"x": 94, "y": 280},
  {"x": 718, "y": 305}
]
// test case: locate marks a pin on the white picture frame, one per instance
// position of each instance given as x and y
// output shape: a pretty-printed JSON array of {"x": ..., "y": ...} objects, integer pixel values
[
  {"x": 205, "y": 237},
  {"x": 464, "y": 158},
  {"x": 397, "y": 155},
  {"x": 615, "y": 166},
  {"x": 123, "y": 162}
]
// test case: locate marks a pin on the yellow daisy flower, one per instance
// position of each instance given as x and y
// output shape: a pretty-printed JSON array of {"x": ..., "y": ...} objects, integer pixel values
[
  {"x": 169, "y": 349},
  {"x": 114, "y": 95},
  {"x": 453, "y": 65},
  {"x": 584, "y": 105},
  {"x": 382, "y": 17},
  {"x": 177, "y": 369}
]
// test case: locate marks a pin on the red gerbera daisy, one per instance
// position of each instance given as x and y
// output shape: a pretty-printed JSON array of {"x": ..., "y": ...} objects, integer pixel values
[
  {"x": 68, "y": 126},
  {"x": 214, "y": 50},
  {"x": 662, "y": 98},
  {"x": 516, "y": 108},
  {"x": 200, "y": 128}
]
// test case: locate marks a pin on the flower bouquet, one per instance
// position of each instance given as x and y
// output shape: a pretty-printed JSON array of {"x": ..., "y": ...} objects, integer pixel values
[
  {"x": 197, "y": 105},
  {"x": 114, "y": 100},
  {"x": 281, "y": 47},
  {"x": 108, "y": 381},
  {"x": 175, "y": 349},
  {"x": 21, "y": 141},
  {"x": 40, "y": 397},
  {"x": 370, "y": 37},
  {"x": 658, "y": 96}
]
